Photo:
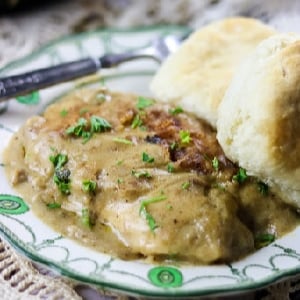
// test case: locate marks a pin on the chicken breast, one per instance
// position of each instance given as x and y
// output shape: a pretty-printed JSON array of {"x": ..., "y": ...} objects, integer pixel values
[{"x": 136, "y": 178}]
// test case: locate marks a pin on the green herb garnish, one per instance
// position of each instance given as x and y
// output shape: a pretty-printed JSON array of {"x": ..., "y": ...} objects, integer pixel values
[
  {"x": 144, "y": 103},
  {"x": 264, "y": 240},
  {"x": 119, "y": 162},
  {"x": 137, "y": 122},
  {"x": 85, "y": 129},
  {"x": 61, "y": 175},
  {"x": 150, "y": 220},
  {"x": 89, "y": 186},
  {"x": 63, "y": 186},
  {"x": 241, "y": 176},
  {"x": 61, "y": 178},
  {"x": 143, "y": 210},
  {"x": 99, "y": 124},
  {"x": 54, "y": 205},
  {"x": 147, "y": 158},
  {"x": 263, "y": 188},
  {"x": 58, "y": 160},
  {"x": 170, "y": 168},
  {"x": 123, "y": 141},
  {"x": 85, "y": 217},
  {"x": 175, "y": 111},
  {"x": 120, "y": 180},
  {"x": 215, "y": 163},
  {"x": 63, "y": 113},
  {"x": 186, "y": 185},
  {"x": 185, "y": 137},
  {"x": 139, "y": 174},
  {"x": 78, "y": 128},
  {"x": 86, "y": 136},
  {"x": 173, "y": 146}
]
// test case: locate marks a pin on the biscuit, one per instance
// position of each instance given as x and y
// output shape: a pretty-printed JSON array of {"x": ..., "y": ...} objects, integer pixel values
[
  {"x": 197, "y": 75},
  {"x": 258, "y": 119}
]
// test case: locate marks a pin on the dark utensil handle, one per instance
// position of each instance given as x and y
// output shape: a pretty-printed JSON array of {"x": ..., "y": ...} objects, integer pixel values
[{"x": 22, "y": 84}]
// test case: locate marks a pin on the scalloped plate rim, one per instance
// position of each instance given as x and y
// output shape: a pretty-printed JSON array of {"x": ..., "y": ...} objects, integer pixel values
[{"x": 222, "y": 290}]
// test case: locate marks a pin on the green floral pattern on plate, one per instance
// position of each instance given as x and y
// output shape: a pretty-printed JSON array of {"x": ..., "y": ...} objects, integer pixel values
[
  {"x": 42, "y": 244},
  {"x": 14, "y": 205},
  {"x": 166, "y": 277},
  {"x": 32, "y": 98}
]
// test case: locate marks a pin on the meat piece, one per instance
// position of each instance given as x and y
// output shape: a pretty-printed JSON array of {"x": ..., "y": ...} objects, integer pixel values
[{"x": 160, "y": 181}]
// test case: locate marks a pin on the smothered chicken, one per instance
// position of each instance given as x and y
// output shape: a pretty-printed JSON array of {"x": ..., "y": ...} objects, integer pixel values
[{"x": 138, "y": 179}]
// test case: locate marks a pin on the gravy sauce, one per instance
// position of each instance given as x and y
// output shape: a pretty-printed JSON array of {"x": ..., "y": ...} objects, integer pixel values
[{"x": 138, "y": 179}]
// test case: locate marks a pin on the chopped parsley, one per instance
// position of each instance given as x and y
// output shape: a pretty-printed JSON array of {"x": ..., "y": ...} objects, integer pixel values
[
  {"x": 58, "y": 160},
  {"x": 170, "y": 168},
  {"x": 264, "y": 240},
  {"x": 175, "y": 111},
  {"x": 150, "y": 220},
  {"x": 263, "y": 188},
  {"x": 147, "y": 158},
  {"x": 63, "y": 113},
  {"x": 143, "y": 210},
  {"x": 143, "y": 102},
  {"x": 120, "y": 180},
  {"x": 136, "y": 122},
  {"x": 86, "y": 135},
  {"x": 61, "y": 178},
  {"x": 123, "y": 141},
  {"x": 119, "y": 162},
  {"x": 61, "y": 175},
  {"x": 241, "y": 176},
  {"x": 54, "y": 205},
  {"x": 89, "y": 186},
  {"x": 173, "y": 146},
  {"x": 185, "y": 137},
  {"x": 215, "y": 163},
  {"x": 155, "y": 199},
  {"x": 186, "y": 185},
  {"x": 139, "y": 174},
  {"x": 85, "y": 129},
  {"x": 85, "y": 217},
  {"x": 78, "y": 128},
  {"x": 99, "y": 124}
]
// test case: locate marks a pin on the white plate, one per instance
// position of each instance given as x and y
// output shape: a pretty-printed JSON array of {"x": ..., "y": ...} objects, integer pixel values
[{"x": 40, "y": 243}]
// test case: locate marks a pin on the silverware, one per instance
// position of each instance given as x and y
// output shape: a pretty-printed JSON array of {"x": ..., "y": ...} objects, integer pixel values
[{"x": 22, "y": 84}]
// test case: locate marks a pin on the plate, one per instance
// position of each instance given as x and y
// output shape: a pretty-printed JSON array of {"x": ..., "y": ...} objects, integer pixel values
[{"x": 40, "y": 243}]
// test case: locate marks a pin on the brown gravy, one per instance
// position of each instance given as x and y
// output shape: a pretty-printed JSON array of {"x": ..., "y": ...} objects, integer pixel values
[{"x": 138, "y": 179}]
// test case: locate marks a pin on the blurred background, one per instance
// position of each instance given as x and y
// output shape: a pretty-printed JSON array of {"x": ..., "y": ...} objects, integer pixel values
[{"x": 28, "y": 24}]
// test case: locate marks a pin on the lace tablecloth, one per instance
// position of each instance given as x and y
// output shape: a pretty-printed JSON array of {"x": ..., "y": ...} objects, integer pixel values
[{"x": 21, "y": 32}]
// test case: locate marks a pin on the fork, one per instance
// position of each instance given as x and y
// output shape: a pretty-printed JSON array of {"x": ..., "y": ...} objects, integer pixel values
[{"x": 25, "y": 83}]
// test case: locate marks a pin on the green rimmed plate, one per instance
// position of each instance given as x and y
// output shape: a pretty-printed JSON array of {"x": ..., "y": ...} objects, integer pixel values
[{"x": 40, "y": 243}]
